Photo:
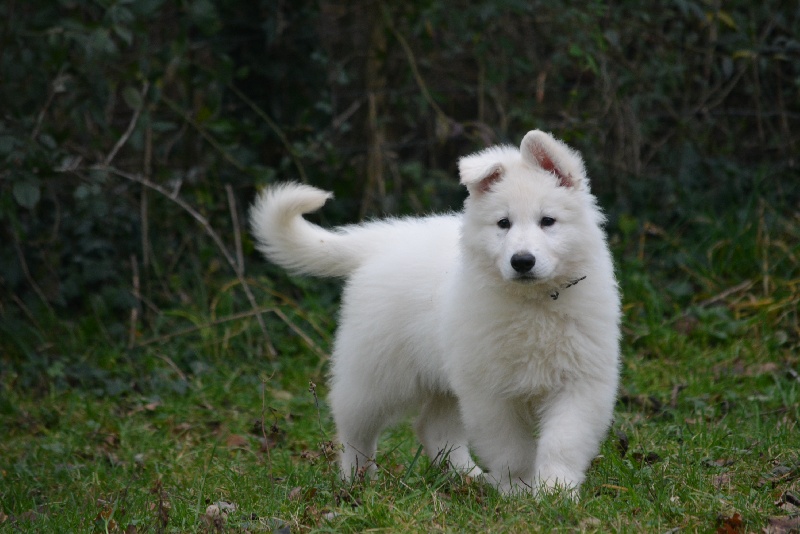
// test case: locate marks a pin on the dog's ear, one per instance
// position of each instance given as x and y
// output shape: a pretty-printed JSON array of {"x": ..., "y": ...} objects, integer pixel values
[
  {"x": 480, "y": 171},
  {"x": 543, "y": 150}
]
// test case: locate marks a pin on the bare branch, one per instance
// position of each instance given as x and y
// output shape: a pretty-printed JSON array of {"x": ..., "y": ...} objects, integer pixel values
[
  {"x": 275, "y": 128},
  {"x": 210, "y": 231},
  {"x": 237, "y": 234},
  {"x": 131, "y": 126}
]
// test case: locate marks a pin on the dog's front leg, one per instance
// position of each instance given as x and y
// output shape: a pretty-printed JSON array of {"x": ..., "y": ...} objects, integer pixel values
[
  {"x": 502, "y": 440},
  {"x": 573, "y": 422}
]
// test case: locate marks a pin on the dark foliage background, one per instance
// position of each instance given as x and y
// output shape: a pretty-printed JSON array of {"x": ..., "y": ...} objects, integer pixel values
[{"x": 134, "y": 133}]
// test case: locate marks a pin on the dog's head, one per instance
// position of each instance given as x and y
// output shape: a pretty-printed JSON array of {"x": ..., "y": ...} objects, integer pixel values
[{"x": 530, "y": 213}]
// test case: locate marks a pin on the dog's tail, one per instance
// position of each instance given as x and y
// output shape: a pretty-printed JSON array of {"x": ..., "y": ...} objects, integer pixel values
[{"x": 286, "y": 238}]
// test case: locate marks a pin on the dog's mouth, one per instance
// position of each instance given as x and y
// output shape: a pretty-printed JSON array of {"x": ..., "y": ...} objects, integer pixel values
[{"x": 526, "y": 278}]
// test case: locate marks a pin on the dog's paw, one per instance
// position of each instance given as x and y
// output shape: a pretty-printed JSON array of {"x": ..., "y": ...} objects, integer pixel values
[
  {"x": 508, "y": 485},
  {"x": 476, "y": 473},
  {"x": 559, "y": 480}
]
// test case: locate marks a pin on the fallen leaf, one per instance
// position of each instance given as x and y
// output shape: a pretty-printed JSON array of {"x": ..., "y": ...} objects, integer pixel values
[
  {"x": 590, "y": 523},
  {"x": 622, "y": 443},
  {"x": 220, "y": 507},
  {"x": 730, "y": 525},
  {"x": 783, "y": 525},
  {"x": 182, "y": 428},
  {"x": 104, "y": 519},
  {"x": 329, "y": 516},
  {"x": 235, "y": 441},
  {"x": 686, "y": 324},
  {"x": 721, "y": 481},
  {"x": 213, "y": 519},
  {"x": 297, "y": 494},
  {"x": 226, "y": 507},
  {"x": 676, "y": 390},
  {"x": 789, "y": 503},
  {"x": 781, "y": 473},
  {"x": 310, "y": 456},
  {"x": 648, "y": 459}
]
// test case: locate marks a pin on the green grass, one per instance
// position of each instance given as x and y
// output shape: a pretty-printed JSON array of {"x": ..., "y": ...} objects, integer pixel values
[{"x": 96, "y": 437}]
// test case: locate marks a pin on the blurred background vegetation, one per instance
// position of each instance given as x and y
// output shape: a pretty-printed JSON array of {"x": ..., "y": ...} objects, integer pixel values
[{"x": 135, "y": 133}]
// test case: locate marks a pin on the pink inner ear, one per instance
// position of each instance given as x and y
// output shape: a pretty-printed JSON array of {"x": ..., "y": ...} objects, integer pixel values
[
  {"x": 547, "y": 163},
  {"x": 485, "y": 185}
]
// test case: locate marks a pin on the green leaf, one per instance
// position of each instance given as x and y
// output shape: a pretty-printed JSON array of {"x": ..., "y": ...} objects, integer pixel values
[
  {"x": 27, "y": 193},
  {"x": 204, "y": 14},
  {"x": 132, "y": 97},
  {"x": 7, "y": 144},
  {"x": 124, "y": 33}
]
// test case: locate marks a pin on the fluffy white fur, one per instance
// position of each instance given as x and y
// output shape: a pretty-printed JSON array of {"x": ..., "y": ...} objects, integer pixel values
[{"x": 480, "y": 321}]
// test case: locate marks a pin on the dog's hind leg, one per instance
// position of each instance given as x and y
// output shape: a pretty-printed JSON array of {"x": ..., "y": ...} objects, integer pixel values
[
  {"x": 442, "y": 434},
  {"x": 358, "y": 427},
  {"x": 360, "y": 414},
  {"x": 358, "y": 454}
]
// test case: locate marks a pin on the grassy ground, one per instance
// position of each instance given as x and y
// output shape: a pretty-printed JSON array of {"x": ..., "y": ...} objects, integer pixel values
[{"x": 194, "y": 429}]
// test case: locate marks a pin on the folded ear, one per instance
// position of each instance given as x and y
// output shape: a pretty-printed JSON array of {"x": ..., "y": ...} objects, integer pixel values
[
  {"x": 481, "y": 170},
  {"x": 543, "y": 150}
]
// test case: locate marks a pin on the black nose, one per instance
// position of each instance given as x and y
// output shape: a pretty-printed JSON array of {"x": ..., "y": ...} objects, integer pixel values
[{"x": 522, "y": 262}]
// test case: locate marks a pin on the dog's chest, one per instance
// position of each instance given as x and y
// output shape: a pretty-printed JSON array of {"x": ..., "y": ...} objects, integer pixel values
[
  {"x": 521, "y": 354},
  {"x": 538, "y": 354}
]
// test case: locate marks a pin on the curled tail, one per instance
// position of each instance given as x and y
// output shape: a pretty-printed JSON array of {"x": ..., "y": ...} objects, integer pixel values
[{"x": 286, "y": 238}]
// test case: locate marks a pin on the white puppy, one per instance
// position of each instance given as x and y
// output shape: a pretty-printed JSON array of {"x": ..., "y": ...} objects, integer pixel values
[{"x": 500, "y": 325}]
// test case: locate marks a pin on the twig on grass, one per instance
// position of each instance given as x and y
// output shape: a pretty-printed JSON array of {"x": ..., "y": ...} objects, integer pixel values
[
  {"x": 173, "y": 366},
  {"x": 197, "y": 328},
  {"x": 719, "y": 297},
  {"x": 237, "y": 317},
  {"x": 290, "y": 302},
  {"x": 297, "y": 330}
]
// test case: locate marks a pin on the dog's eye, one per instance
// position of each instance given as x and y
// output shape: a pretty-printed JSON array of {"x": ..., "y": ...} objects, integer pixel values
[
  {"x": 547, "y": 221},
  {"x": 504, "y": 223}
]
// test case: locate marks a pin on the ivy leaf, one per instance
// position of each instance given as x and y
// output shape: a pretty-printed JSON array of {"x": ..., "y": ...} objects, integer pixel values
[
  {"x": 27, "y": 193},
  {"x": 132, "y": 97},
  {"x": 124, "y": 33}
]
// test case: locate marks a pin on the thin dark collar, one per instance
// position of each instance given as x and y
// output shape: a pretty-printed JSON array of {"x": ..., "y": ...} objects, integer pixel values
[{"x": 554, "y": 294}]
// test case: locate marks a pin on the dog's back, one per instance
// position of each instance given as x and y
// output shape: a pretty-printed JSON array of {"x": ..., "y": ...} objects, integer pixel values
[{"x": 286, "y": 238}]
